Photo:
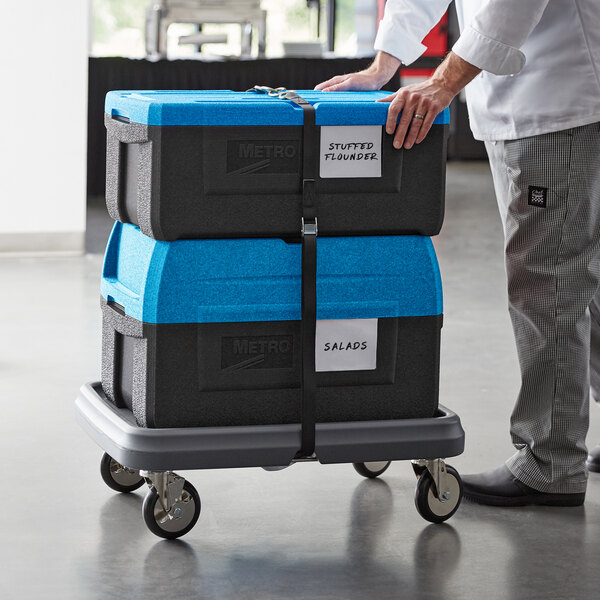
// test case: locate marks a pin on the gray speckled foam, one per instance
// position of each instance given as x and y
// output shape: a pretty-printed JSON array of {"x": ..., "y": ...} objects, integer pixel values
[
  {"x": 113, "y": 325},
  {"x": 141, "y": 371},
  {"x": 118, "y": 134},
  {"x": 109, "y": 342},
  {"x": 148, "y": 180}
]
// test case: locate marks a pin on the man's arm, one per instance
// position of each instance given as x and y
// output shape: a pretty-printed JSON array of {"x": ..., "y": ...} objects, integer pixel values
[
  {"x": 404, "y": 25},
  {"x": 490, "y": 42}
]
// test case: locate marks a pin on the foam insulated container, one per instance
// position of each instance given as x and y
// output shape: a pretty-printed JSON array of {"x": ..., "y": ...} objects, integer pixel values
[
  {"x": 212, "y": 164},
  {"x": 207, "y": 332}
]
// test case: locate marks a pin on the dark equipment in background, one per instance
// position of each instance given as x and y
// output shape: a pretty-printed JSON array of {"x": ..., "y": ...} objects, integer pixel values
[
  {"x": 331, "y": 12},
  {"x": 248, "y": 14}
]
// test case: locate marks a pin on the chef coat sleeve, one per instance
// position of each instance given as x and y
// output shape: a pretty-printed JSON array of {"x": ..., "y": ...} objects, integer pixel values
[
  {"x": 405, "y": 24},
  {"x": 492, "y": 40}
]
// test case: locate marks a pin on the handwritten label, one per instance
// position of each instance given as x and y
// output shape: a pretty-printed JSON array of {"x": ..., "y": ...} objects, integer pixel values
[
  {"x": 346, "y": 345},
  {"x": 350, "y": 151}
]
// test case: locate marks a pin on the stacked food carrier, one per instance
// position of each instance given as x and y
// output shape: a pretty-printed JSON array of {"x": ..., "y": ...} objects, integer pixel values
[{"x": 270, "y": 294}]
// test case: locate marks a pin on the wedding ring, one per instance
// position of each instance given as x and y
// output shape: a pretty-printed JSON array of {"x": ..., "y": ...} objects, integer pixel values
[{"x": 420, "y": 117}]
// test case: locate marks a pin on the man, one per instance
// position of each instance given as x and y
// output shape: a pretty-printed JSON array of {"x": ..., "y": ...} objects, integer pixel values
[{"x": 534, "y": 98}]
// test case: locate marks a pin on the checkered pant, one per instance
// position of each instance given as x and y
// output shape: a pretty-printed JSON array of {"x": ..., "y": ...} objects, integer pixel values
[{"x": 553, "y": 270}]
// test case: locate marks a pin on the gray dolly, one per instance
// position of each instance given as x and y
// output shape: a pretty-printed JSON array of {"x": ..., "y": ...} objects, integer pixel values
[{"x": 134, "y": 455}]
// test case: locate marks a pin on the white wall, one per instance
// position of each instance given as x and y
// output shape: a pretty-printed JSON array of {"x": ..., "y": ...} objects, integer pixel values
[{"x": 43, "y": 125}]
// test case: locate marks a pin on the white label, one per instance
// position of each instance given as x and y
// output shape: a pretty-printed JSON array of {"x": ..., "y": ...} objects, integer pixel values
[
  {"x": 346, "y": 345},
  {"x": 350, "y": 151}
]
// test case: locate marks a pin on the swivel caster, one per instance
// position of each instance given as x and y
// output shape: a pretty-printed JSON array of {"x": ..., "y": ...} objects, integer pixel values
[
  {"x": 438, "y": 492},
  {"x": 172, "y": 505}
]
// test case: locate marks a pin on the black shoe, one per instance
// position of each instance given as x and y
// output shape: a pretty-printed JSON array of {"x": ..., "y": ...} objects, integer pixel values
[
  {"x": 593, "y": 460},
  {"x": 499, "y": 487}
]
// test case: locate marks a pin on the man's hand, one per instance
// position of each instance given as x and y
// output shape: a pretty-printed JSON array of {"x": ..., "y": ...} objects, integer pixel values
[
  {"x": 360, "y": 81},
  {"x": 420, "y": 103},
  {"x": 379, "y": 73}
]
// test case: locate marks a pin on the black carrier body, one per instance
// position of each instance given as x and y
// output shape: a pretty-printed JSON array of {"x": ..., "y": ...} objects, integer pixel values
[
  {"x": 244, "y": 180},
  {"x": 228, "y": 374}
]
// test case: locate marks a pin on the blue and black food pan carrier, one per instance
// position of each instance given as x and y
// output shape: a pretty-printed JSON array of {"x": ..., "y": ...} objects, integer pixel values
[
  {"x": 213, "y": 164},
  {"x": 208, "y": 332}
]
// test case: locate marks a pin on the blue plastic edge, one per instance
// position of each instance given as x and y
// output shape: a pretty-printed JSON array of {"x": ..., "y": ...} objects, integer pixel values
[
  {"x": 145, "y": 276},
  {"x": 215, "y": 108}
]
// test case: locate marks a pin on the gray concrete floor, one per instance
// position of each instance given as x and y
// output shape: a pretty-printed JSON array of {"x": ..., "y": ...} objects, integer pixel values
[{"x": 310, "y": 531}]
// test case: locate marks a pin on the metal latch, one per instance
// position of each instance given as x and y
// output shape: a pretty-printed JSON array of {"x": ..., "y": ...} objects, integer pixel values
[{"x": 309, "y": 228}]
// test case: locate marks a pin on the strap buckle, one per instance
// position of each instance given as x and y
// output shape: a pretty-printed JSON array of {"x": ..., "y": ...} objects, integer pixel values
[
  {"x": 309, "y": 228},
  {"x": 269, "y": 91},
  {"x": 281, "y": 93},
  {"x": 278, "y": 92}
]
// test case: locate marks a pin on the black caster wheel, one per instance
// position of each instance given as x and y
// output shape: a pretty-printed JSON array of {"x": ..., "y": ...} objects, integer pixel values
[
  {"x": 426, "y": 500},
  {"x": 371, "y": 469},
  {"x": 119, "y": 478},
  {"x": 184, "y": 513}
]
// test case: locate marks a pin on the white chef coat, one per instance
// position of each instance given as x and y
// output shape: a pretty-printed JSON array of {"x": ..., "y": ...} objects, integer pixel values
[{"x": 540, "y": 59}]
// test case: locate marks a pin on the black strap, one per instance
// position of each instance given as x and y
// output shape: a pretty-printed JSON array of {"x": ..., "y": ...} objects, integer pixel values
[
  {"x": 309, "y": 276},
  {"x": 309, "y": 232},
  {"x": 308, "y": 333}
]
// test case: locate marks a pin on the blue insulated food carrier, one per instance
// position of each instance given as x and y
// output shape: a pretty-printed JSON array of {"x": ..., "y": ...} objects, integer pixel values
[
  {"x": 213, "y": 164},
  {"x": 207, "y": 332}
]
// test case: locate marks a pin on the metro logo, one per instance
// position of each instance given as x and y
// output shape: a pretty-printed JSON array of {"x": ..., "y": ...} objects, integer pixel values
[
  {"x": 257, "y": 352},
  {"x": 258, "y": 157},
  {"x": 267, "y": 151},
  {"x": 262, "y": 346}
]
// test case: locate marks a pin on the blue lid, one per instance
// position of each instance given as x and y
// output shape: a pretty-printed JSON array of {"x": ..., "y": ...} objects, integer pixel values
[
  {"x": 224, "y": 107},
  {"x": 237, "y": 280}
]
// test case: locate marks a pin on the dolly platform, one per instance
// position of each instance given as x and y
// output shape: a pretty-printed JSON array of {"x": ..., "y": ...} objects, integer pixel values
[{"x": 134, "y": 455}]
